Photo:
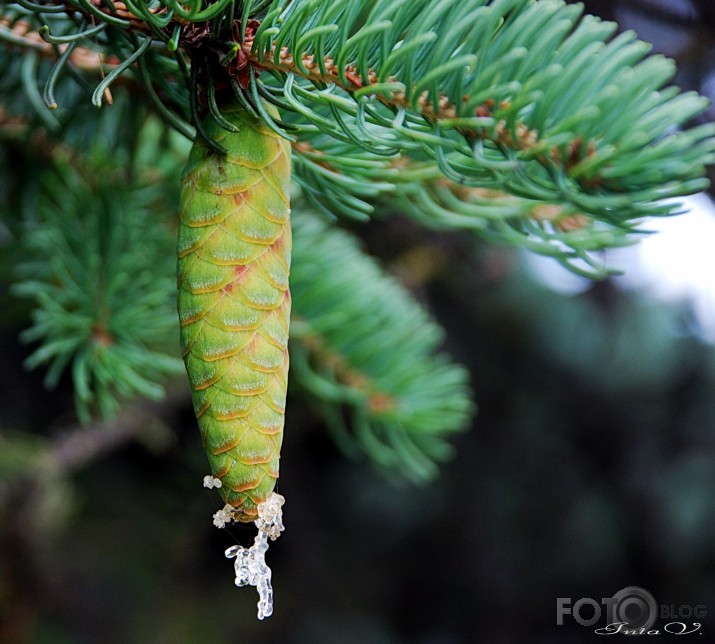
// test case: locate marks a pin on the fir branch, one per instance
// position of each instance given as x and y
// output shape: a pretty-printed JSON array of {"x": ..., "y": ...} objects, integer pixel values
[
  {"x": 361, "y": 343},
  {"x": 490, "y": 79},
  {"x": 22, "y": 34},
  {"x": 519, "y": 97},
  {"x": 103, "y": 301},
  {"x": 83, "y": 49},
  {"x": 340, "y": 177}
]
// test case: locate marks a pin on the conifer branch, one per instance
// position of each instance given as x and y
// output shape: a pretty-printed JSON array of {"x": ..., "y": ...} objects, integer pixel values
[
  {"x": 521, "y": 120},
  {"x": 101, "y": 285},
  {"x": 21, "y": 34},
  {"x": 348, "y": 324}
]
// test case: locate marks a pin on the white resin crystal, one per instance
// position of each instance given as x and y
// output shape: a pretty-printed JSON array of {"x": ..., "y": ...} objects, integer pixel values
[
  {"x": 270, "y": 516},
  {"x": 250, "y": 565},
  {"x": 223, "y": 516},
  {"x": 211, "y": 481}
]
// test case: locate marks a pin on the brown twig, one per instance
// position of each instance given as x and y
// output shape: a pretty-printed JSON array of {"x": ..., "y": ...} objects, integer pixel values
[
  {"x": 33, "y": 506},
  {"x": 78, "y": 446},
  {"x": 24, "y": 35}
]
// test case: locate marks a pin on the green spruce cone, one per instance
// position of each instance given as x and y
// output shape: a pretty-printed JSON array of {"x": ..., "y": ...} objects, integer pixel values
[{"x": 234, "y": 303}]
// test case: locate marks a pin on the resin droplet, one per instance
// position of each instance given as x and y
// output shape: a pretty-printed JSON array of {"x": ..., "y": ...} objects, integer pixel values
[
  {"x": 270, "y": 516},
  {"x": 223, "y": 516},
  {"x": 250, "y": 565},
  {"x": 211, "y": 482}
]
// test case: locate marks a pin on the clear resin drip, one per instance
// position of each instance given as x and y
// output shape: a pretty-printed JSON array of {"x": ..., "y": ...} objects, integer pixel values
[
  {"x": 252, "y": 570},
  {"x": 250, "y": 565}
]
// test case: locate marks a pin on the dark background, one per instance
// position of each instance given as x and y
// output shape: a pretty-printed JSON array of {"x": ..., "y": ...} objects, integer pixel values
[{"x": 590, "y": 467}]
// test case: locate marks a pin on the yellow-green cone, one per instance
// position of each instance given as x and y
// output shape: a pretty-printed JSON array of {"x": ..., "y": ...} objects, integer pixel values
[{"x": 234, "y": 304}]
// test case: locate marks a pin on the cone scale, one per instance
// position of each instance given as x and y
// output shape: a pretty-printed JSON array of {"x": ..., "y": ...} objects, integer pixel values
[{"x": 234, "y": 304}]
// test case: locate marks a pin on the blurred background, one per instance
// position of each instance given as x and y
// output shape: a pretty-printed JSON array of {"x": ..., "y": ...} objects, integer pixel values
[{"x": 590, "y": 466}]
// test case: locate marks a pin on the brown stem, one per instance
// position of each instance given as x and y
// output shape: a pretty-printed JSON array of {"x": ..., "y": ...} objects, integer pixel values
[
  {"x": 78, "y": 446},
  {"x": 82, "y": 58},
  {"x": 31, "y": 515}
]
